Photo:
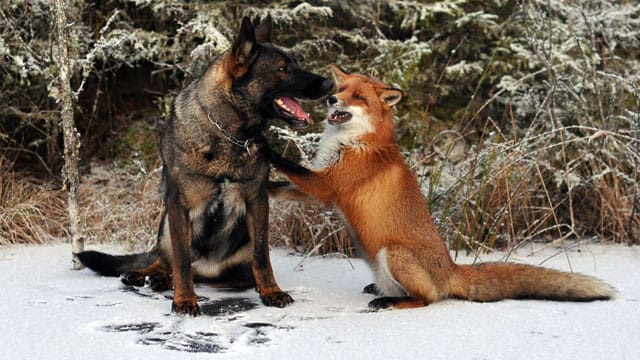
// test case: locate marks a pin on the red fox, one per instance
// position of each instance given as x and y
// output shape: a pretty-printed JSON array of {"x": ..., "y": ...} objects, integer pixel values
[{"x": 359, "y": 170}]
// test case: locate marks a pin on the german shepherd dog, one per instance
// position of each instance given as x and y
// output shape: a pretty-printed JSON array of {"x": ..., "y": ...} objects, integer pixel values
[{"x": 214, "y": 225}]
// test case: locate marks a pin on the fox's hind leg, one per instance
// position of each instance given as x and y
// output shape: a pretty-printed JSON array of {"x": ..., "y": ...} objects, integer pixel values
[
  {"x": 399, "y": 270},
  {"x": 159, "y": 276},
  {"x": 400, "y": 302}
]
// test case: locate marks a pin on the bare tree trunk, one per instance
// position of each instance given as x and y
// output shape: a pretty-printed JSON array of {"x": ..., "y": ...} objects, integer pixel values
[{"x": 71, "y": 136}]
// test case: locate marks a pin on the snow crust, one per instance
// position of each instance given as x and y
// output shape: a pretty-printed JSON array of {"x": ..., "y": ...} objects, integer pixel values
[{"x": 49, "y": 311}]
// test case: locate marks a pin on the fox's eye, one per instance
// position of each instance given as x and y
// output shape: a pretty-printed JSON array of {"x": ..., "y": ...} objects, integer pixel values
[
  {"x": 340, "y": 90},
  {"x": 357, "y": 96}
]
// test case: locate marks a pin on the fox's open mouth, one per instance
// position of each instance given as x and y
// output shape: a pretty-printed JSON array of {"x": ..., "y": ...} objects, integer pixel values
[
  {"x": 291, "y": 111},
  {"x": 339, "y": 117}
]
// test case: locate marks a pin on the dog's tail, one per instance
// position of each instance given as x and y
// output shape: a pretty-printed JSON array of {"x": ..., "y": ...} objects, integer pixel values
[{"x": 115, "y": 265}]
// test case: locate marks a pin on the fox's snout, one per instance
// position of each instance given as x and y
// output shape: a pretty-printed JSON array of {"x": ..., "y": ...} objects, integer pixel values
[{"x": 332, "y": 100}]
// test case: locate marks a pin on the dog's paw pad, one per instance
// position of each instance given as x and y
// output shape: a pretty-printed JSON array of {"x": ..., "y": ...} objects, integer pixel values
[
  {"x": 277, "y": 299},
  {"x": 186, "y": 307}
]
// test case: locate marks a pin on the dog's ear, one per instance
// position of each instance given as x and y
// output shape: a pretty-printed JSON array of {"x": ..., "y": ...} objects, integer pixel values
[
  {"x": 390, "y": 97},
  {"x": 244, "y": 49},
  {"x": 338, "y": 74},
  {"x": 264, "y": 30}
]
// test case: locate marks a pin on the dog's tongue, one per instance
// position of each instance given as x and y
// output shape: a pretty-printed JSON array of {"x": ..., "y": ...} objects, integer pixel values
[{"x": 293, "y": 107}]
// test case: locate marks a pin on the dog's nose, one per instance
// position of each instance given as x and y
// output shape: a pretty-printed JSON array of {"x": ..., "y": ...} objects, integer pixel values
[
  {"x": 327, "y": 85},
  {"x": 332, "y": 100}
]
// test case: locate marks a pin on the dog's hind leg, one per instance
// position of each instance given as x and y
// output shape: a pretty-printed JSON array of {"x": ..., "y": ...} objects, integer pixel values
[{"x": 158, "y": 273}]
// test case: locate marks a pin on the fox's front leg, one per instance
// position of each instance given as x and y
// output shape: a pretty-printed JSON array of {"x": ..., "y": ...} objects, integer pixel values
[{"x": 309, "y": 181}]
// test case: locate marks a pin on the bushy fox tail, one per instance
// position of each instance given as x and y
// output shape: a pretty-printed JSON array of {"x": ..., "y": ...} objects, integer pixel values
[
  {"x": 115, "y": 265},
  {"x": 496, "y": 281}
]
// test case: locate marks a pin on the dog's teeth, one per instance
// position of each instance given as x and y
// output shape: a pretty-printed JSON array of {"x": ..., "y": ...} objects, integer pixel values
[{"x": 282, "y": 105}]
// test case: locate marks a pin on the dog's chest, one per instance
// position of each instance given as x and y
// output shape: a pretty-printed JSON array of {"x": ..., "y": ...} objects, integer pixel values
[
  {"x": 220, "y": 159},
  {"x": 221, "y": 213}
]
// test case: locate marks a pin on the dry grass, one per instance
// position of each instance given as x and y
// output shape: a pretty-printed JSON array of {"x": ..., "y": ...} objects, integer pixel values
[
  {"x": 308, "y": 228},
  {"x": 30, "y": 212},
  {"x": 124, "y": 205},
  {"x": 500, "y": 195},
  {"x": 117, "y": 206},
  {"x": 121, "y": 206},
  {"x": 508, "y": 192}
]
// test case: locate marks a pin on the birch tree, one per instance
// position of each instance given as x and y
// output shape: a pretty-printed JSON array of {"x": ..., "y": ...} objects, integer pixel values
[{"x": 71, "y": 136}]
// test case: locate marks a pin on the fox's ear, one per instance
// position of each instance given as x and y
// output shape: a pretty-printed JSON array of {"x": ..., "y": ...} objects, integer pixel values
[
  {"x": 244, "y": 48},
  {"x": 264, "y": 30},
  {"x": 390, "y": 97},
  {"x": 338, "y": 74}
]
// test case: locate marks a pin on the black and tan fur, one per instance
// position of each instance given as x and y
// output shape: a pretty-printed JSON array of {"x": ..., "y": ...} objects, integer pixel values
[{"x": 214, "y": 225}]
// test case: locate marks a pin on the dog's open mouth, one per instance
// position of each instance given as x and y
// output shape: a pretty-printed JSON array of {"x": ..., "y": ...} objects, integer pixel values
[
  {"x": 291, "y": 110},
  {"x": 339, "y": 117}
]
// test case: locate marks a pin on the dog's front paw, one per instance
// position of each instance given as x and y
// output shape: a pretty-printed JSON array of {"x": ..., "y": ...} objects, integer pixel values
[
  {"x": 133, "y": 278},
  {"x": 186, "y": 307},
  {"x": 279, "y": 299}
]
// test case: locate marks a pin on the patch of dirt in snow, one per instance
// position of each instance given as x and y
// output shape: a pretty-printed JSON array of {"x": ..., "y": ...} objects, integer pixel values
[{"x": 172, "y": 336}]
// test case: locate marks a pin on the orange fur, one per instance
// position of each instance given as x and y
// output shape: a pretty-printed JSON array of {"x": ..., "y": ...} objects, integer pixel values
[{"x": 362, "y": 172}]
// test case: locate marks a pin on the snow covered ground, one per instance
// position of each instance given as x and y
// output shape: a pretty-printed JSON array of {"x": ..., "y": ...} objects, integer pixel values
[{"x": 49, "y": 311}]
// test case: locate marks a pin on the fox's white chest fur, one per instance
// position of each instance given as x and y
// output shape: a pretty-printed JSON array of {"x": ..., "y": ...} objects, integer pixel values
[{"x": 337, "y": 137}]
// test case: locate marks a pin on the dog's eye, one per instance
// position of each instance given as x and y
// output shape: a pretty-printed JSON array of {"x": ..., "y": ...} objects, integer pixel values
[{"x": 282, "y": 68}]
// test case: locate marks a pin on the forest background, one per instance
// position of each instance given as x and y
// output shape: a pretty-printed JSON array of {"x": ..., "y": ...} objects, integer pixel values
[{"x": 520, "y": 118}]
